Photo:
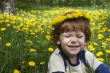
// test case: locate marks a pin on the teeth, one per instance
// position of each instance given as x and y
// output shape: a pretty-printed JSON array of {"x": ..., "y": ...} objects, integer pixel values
[{"x": 74, "y": 46}]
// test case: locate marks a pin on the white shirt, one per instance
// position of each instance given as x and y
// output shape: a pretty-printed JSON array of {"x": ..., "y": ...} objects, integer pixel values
[{"x": 59, "y": 63}]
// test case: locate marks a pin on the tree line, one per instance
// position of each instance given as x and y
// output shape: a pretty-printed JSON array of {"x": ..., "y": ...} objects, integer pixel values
[{"x": 9, "y": 6}]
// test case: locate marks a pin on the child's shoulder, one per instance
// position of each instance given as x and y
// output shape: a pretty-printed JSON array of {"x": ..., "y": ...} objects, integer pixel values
[
  {"x": 55, "y": 54},
  {"x": 89, "y": 54},
  {"x": 92, "y": 60},
  {"x": 56, "y": 58}
]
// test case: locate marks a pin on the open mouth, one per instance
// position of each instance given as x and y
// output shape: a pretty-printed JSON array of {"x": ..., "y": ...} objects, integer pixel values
[{"x": 73, "y": 46}]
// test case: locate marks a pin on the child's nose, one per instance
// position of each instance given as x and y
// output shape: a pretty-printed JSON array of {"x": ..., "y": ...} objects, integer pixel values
[{"x": 73, "y": 40}]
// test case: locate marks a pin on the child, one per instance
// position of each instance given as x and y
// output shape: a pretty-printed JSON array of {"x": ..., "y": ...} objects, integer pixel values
[{"x": 71, "y": 34}]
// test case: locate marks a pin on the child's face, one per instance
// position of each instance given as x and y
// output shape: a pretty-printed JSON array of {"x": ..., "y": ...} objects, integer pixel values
[{"x": 72, "y": 42}]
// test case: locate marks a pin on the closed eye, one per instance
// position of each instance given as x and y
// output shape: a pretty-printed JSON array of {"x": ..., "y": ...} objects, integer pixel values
[
  {"x": 67, "y": 35},
  {"x": 79, "y": 36}
]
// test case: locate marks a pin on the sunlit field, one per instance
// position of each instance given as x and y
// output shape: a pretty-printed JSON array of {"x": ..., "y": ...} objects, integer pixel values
[{"x": 25, "y": 38}]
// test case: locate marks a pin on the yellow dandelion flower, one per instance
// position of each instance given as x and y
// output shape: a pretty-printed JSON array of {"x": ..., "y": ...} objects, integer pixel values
[
  {"x": 31, "y": 63},
  {"x": 100, "y": 36},
  {"x": 36, "y": 36},
  {"x": 78, "y": 14},
  {"x": 69, "y": 16},
  {"x": 50, "y": 49},
  {"x": 99, "y": 54},
  {"x": 104, "y": 44},
  {"x": 16, "y": 71},
  {"x": 33, "y": 50},
  {"x": 0, "y": 38},
  {"x": 95, "y": 43},
  {"x": 50, "y": 27},
  {"x": 25, "y": 29},
  {"x": 29, "y": 42},
  {"x": 108, "y": 29},
  {"x": 101, "y": 59},
  {"x": 58, "y": 20},
  {"x": 108, "y": 39},
  {"x": 91, "y": 47},
  {"x": 8, "y": 25},
  {"x": 8, "y": 44},
  {"x": 42, "y": 63},
  {"x": 87, "y": 15},
  {"x": 3, "y": 29},
  {"x": 107, "y": 51},
  {"x": 32, "y": 33},
  {"x": 48, "y": 37}
]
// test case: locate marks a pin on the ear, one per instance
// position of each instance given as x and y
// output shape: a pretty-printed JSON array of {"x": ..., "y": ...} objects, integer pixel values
[{"x": 58, "y": 42}]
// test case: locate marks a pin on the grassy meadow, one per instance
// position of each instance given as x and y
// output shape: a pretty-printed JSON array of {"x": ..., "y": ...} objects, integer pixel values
[{"x": 25, "y": 39}]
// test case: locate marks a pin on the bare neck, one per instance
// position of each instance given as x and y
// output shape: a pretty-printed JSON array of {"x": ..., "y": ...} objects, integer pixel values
[{"x": 73, "y": 60}]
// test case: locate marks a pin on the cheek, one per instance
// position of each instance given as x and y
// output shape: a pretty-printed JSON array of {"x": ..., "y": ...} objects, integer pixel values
[
  {"x": 64, "y": 41},
  {"x": 82, "y": 41}
]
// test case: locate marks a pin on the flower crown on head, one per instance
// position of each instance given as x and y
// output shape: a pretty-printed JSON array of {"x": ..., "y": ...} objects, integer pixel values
[{"x": 70, "y": 15}]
